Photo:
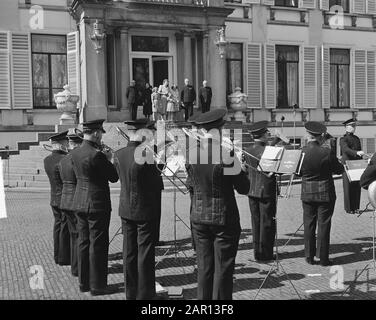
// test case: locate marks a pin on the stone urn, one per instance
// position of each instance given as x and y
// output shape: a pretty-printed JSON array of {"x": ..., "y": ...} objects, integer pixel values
[
  {"x": 66, "y": 102},
  {"x": 238, "y": 103}
]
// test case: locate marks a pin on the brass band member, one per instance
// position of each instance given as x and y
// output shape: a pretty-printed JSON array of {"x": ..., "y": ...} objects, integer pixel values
[
  {"x": 66, "y": 205},
  {"x": 351, "y": 149},
  {"x": 139, "y": 208},
  {"x": 92, "y": 203},
  {"x": 59, "y": 143},
  {"x": 262, "y": 195},
  {"x": 318, "y": 193},
  {"x": 214, "y": 213}
]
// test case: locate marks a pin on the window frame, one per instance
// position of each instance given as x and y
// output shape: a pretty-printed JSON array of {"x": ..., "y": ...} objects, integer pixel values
[
  {"x": 298, "y": 47},
  {"x": 228, "y": 61},
  {"x": 286, "y": 5},
  {"x": 337, "y": 83},
  {"x": 48, "y": 54},
  {"x": 344, "y": 11}
]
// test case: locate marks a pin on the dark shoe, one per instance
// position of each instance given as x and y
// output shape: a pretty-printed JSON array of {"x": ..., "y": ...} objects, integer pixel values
[
  {"x": 98, "y": 292},
  {"x": 326, "y": 263},
  {"x": 84, "y": 288},
  {"x": 310, "y": 260}
]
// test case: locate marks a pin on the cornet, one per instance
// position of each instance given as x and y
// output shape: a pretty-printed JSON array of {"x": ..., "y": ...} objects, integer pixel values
[{"x": 51, "y": 149}]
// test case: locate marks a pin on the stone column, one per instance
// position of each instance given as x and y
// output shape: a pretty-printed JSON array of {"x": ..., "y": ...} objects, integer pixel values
[
  {"x": 217, "y": 71},
  {"x": 124, "y": 71},
  {"x": 188, "y": 72},
  {"x": 93, "y": 75},
  {"x": 180, "y": 59}
]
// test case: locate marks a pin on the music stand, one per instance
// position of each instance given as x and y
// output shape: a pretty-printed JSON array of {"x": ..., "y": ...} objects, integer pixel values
[
  {"x": 372, "y": 263},
  {"x": 277, "y": 265}
]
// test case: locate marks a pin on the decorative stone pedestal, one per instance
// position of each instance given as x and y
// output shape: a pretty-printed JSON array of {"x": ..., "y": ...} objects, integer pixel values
[
  {"x": 238, "y": 103},
  {"x": 67, "y": 104}
]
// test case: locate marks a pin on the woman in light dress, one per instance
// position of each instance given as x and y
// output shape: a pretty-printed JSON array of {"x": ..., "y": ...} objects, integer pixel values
[
  {"x": 164, "y": 91},
  {"x": 173, "y": 103}
]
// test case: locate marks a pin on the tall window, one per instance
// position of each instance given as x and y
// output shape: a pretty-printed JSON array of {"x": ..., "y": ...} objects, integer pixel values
[
  {"x": 339, "y": 78},
  {"x": 234, "y": 67},
  {"x": 287, "y": 65},
  {"x": 286, "y": 3},
  {"x": 343, "y": 3},
  {"x": 49, "y": 62}
]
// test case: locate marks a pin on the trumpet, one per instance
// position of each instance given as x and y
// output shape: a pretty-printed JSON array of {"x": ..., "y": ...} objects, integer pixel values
[
  {"x": 167, "y": 172},
  {"x": 51, "y": 149},
  {"x": 105, "y": 148}
]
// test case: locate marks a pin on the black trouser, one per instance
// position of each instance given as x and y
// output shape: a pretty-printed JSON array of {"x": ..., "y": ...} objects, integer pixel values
[
  {"x": 64, "y": 241},
  {"x": 188, "y": 110},
  {"x": 139, "y": 259},
  {"x": 216, "y": 248},
  {"x": 263, "y": 226},
  {"x": 317, "y": 213},
  {"x": 205, "y": 107},
  {"x": 159, "y": 216},
  {"x": 56, "y": 232},
  {"x": 93, "y": 249},
  {"x": 72, "y": 225},
  {"x": 134, "y": 108},
  {"x": 351, "y": 193}
]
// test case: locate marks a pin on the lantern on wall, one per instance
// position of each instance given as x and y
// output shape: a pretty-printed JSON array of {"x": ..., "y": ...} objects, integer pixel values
[
  {"x": 98, "y": 35},
  {"x": 221, "y": 42}
]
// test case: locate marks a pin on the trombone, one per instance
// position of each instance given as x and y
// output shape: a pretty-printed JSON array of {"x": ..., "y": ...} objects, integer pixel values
[{"x": 171, "y": 175}]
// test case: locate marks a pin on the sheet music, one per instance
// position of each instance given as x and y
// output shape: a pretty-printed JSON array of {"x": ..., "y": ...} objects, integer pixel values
[{"x": 272, "y": 153}]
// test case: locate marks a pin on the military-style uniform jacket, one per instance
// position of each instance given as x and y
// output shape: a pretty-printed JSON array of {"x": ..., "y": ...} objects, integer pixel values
[
  {"x": 93, "y": 171},
  {"x": 350, "y": 144},
  {"x": 69, "y": 182},
  {"x": 369, "y": 175},
  {"x": 318, "y": 166},
  {"x": 51, "y": 167},
  {"x": 141, "y": 184},
  {"x": 261, "y": 186},
  {"x": 213, "y": 198}
]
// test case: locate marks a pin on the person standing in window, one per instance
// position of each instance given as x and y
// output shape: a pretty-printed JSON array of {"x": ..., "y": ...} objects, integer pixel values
[
  {"x": 351, "y": 149},
  {"x": 131, "y": 96},
  {"x": 147, "y": 104},
  {"x": 205, "y": 96},
  {"x": 188, "y": 98}
]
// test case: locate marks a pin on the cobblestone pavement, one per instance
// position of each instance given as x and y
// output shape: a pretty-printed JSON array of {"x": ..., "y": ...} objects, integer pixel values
[{"x": 26, "y": 240}]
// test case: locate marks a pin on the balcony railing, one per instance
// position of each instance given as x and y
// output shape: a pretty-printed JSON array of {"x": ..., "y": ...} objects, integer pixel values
[{"x": 200, "y": 3}]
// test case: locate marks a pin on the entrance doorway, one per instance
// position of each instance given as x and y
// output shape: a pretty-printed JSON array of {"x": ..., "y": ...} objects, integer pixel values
[{"x": 151, "y": 69}]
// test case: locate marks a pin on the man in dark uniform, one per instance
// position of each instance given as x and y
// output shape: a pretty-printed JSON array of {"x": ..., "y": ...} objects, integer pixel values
[
  {"x": 59, "y": 143},
  {"x": 92, "y": 204},
  {"x": 318, "y": 193},
  {"x": 262, "y": 195},
  {"x": 69, "y": 187},
  {"x": 351, "y": 149},
  {"x": 139, "y": 212},
  {"x": 214, "y": 214},
  {"x": 205, "y": 96},
  {"x": 132, "y": 97},
  {"x": 187, "y": 98}
]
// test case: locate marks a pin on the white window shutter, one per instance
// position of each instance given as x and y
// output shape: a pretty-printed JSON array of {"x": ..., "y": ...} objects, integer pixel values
[
  {"x": 358, "y": 6},
  {"x": 371, "y": 80},
  {"x": 254, "y": 75},
  {"x": 371, "y": 6},
  {"x": 308, "y": 4},
  {"x": 268, "y": 2},
  {"x": 270, "y": 76},
  {"x": 73, "y": 62},
  {"x": 22, "y": 93},
  {"x": 360, "y": 78},
  {"x": 5, "y": 96},
  {"x": 309, "y": 77},
  {"x": 325, "y": 74},
  {"x": 324, "y": 5}
]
